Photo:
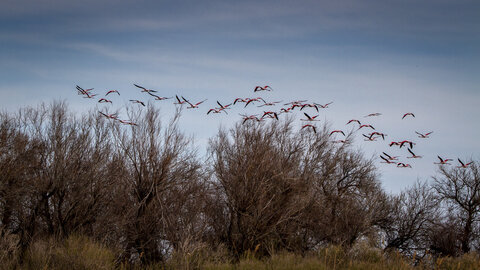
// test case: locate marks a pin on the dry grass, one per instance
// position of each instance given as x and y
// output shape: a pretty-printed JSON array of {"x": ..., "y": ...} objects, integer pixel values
[{"x": 78, "y": 252}]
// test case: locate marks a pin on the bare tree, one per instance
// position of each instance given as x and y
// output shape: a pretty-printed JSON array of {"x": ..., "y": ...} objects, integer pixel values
[
  {"x": 459, "y": 189},
  {"x": 260, "y": 186},
  {"x": 411, "y": 217},
  {"x": 161, "y": 183}
]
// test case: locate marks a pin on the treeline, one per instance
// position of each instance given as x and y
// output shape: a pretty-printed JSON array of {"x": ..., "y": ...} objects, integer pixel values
[{"x": 145, "y": 192}]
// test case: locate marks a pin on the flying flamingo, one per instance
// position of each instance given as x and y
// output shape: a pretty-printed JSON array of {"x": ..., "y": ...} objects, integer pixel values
[
  {"x": 286, "y": 110},
  {"x": 390, "y": 157},
  {"x": 394, "y": 143},
  {"x": 103, "y": 100},
  {"x": 369, "y": 138},
  {"x": 269, "y": 103},
  {"x": 111, "y": 116},
  {"x": 270, "y": 114},
  {"x": 223, "y": 107},
  {"x": 420, "y": 135},
  {"x": 138, "y": 102},
  {"x": 248, "y": 117},
  {"x": 127, "y": 123},
  {"x": 336, "y": 131},
  {"x": 403, "y": 165},
  {"x": 309, "y": 105},
  {"x": 82, "y": 91},
  {"x": 193, "y": 106},
  {"x": 413, "y": 154},
  {"x": 387, "y": 160},
  {"x": 353, "y": 120},
  {"x": 264, "y": 88},
  {"x": 250, "y": 100},
  {"x": 158, "y": 97},
  {"x": 112, "y": 91},
  {"x": 310, "y": 118},
  {"x": 411, "y": 114},
  {"x": 443, "y": 161},
  {"x": 380, "y": 134},
  {"x": 402, "y": 143},
  {"x": 312, "y": 126},
  {"x": 215, "y": 111},
  {"x": 145, "y": 89},
  {"x": 179, "y": 102},
  {"x": 369, "y": 126},
  {"x": 463, "y": 165},
  {"x": 373, "y": 114},
  {"x": 324, "y": 106},
  {"x": 239, "y": 100}
]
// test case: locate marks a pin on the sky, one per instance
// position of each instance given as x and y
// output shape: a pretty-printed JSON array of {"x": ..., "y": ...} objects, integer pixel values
[{"x": 368, "y": 56}]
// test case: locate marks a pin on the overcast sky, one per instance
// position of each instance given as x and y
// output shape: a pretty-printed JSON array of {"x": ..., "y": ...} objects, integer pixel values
[{"x": 391, "y": 57}]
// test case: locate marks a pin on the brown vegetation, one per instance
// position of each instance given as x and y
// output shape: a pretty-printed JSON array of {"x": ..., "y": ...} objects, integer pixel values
[{"x": 78, "y": 187}]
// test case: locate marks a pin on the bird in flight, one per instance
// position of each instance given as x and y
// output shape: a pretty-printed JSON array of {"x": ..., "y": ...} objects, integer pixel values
[
  {"x": 193, "y": 106},
  {"x": 390, "y": 157},
  {"x": 269, "y": 103},
  {"x": 262, "y": 88},
  {"x": 380, "y": 134},
  {"x": 103, "y": 100},
  {"x": 110, "y": 116},
  {"x": 423, "y": 136},
  {"x": 403, "y": 165},
  {"x": 138, "y": 102},
  {"x": 413, "y": 154},
  {"x": 463, "y": 165},
  {"x": 373, "y": 114},
  {"x": 310, "y": 118},
  {"x": 407, "y": 114},
  {"x": 179, "y": 102},
  {"x": 145, "y": 89},
  {"x": 336, "y": 131},
  {"x": 369, "y": 138},
  {"x": 112, "y": 91},
  {"x": 443, "y": 161},
  {"x": 366, "y": 126},
  {"x": 354, "y": 120},
  {"x": 324, "y": 106},
  {"x": 402, "y": 143},
  {"x": 388, "y": 161},
  {"x": 311, "y": 126}
]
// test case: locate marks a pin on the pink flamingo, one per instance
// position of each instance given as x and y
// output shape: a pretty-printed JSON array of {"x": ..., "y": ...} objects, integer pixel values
[
  {"x": 443, "y": 161},
  {"x": 336, "y": 131},
  {"x": 145, "y": 89},
  {"x": 103, "y": 100},
  {"x": 463, "y": 165},
  {"x": 193, "y": 106},
  {"x": 390, "y": 157},
  {"x": 311, "y": 126},
  {"x": 112, "y": 91},
  {"x": 269, "y": 103},
  {"x": 403, "y": 165},
  {"x": 264, "y": 88},
  {"x": 324, "y": 106},
  {"x": 387, "y": 160},
  {"x": 179, "y": 102},
  {"x": 310, "y": 118},
  {"x": 405, "y": 115},
  {"x": 366, "y": 126},
  {"x": 413, "y": 154},
  {"x": 420, "y": 135},
  {"x": 354, "y": 120},
  {"x": 138, "y": 102}
]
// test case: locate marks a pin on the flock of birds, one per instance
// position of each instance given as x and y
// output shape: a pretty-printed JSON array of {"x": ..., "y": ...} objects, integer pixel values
[{"x": 301, "y": 105}]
